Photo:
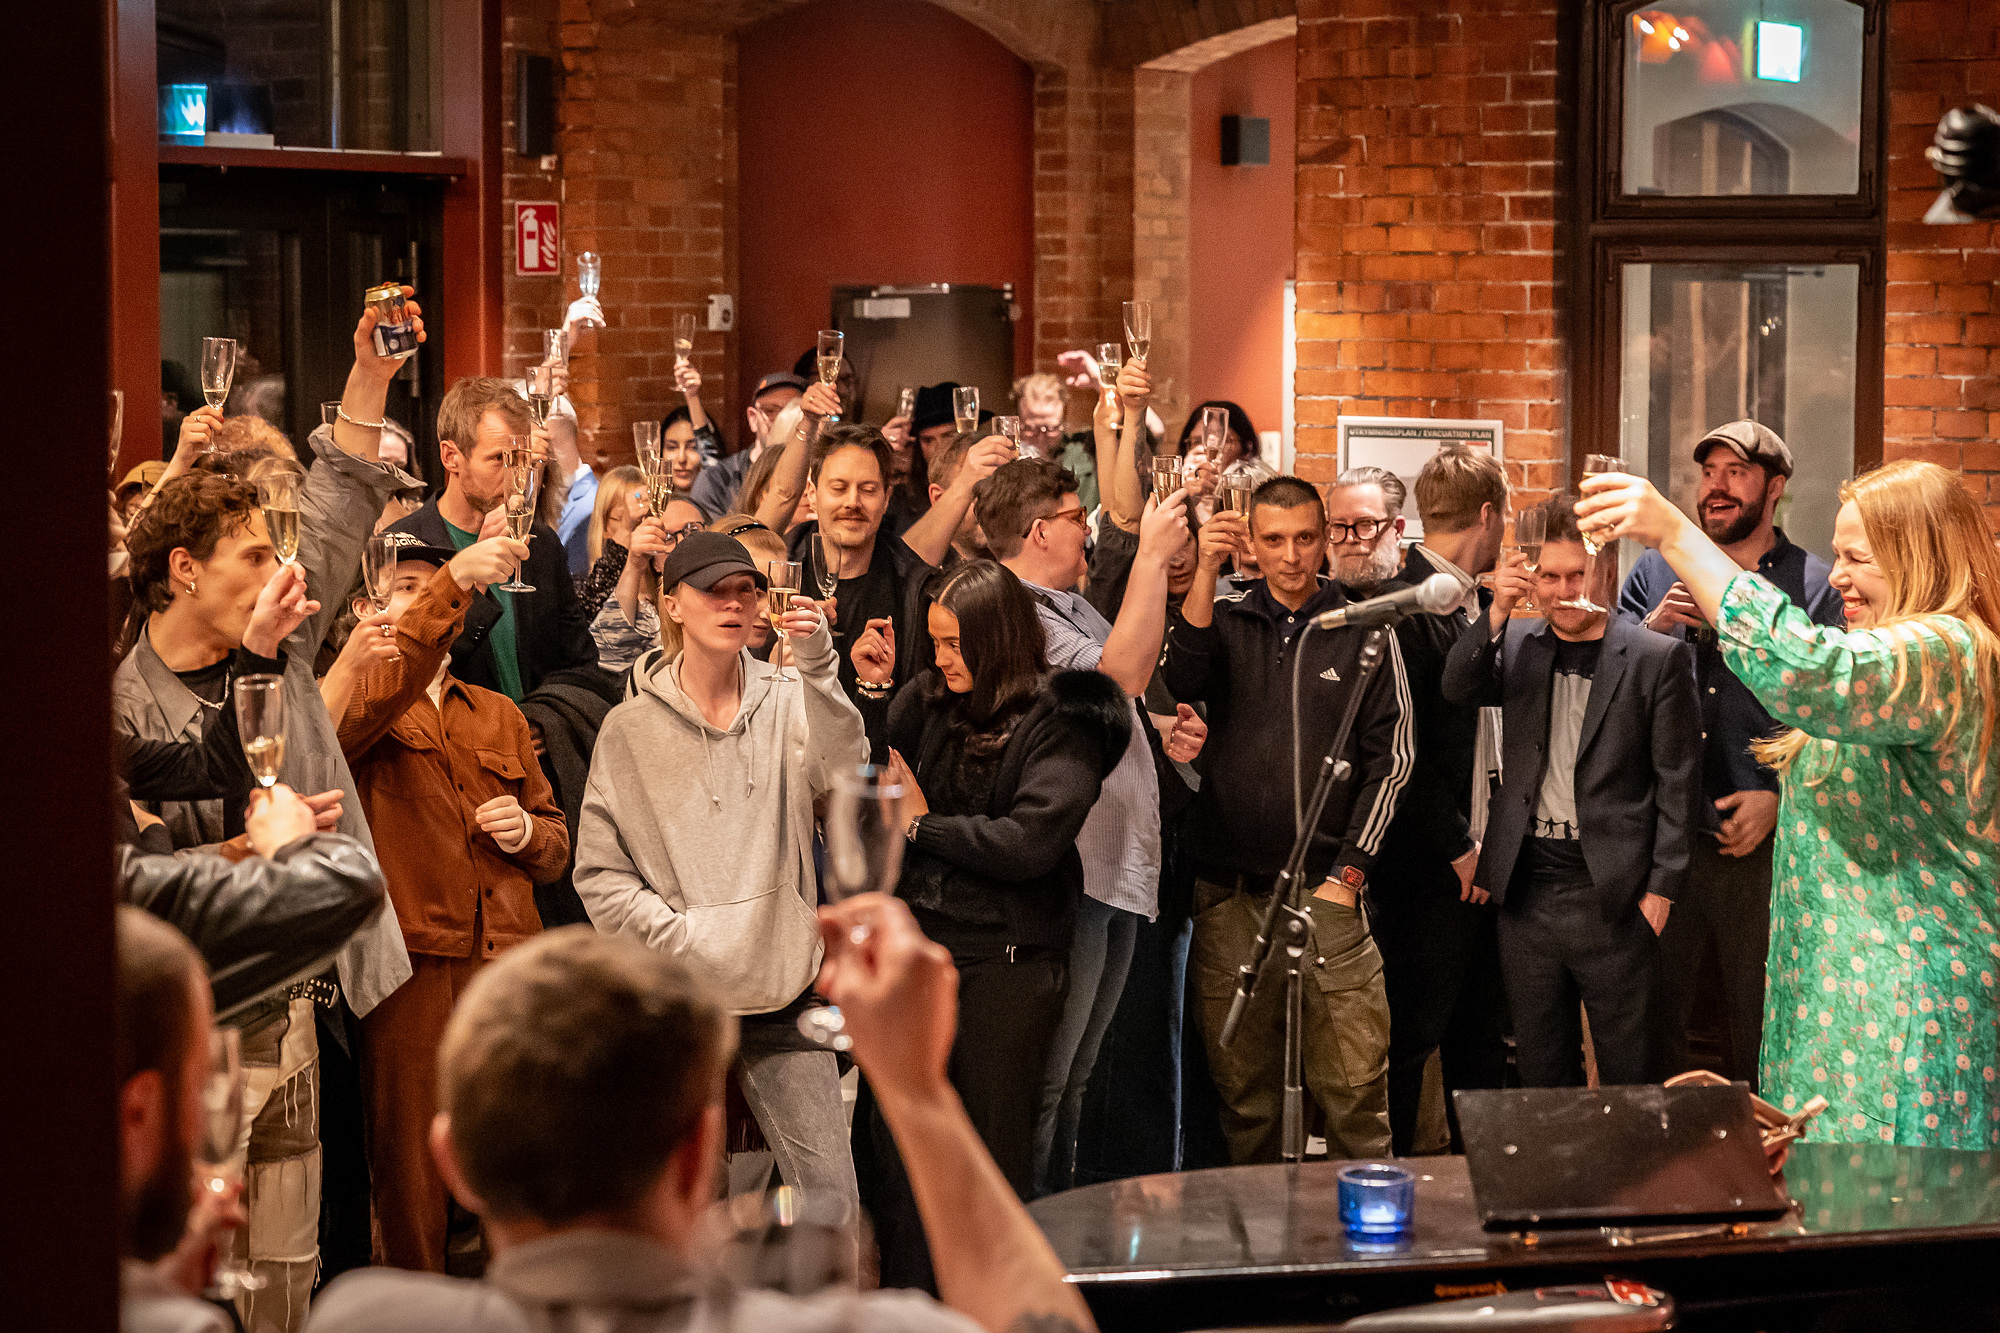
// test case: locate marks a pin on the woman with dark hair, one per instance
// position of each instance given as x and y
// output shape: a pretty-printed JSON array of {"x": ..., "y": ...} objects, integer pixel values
[
  {"x": 1238, "y": 443},
  {"x": 1000, "y": 762}
]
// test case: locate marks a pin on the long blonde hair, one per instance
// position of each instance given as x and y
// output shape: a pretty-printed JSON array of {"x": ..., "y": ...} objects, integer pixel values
[
  {"x": 1934, "y": 550},
  {"x": 617, "y": 486}
]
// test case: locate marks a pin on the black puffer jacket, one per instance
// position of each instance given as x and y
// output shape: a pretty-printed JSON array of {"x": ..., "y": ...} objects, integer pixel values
[
  {"x": 1004, "y": 870},
  {"x": 259, "y": 925}
]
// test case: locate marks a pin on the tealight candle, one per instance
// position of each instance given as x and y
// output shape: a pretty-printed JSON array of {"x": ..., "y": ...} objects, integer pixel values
[{"x": 1376, "y": 1199}]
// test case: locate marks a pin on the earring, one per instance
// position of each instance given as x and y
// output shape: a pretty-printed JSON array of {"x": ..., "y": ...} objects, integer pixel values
[{"x": 190, "y": 587}]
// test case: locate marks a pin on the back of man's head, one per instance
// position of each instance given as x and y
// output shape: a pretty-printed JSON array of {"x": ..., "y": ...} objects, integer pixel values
[
  {"x": 159, "y": 1019},
  {"x": 572, "y": 1069},
  {"x": 1456, "y": 484},
  {"x": 1015, "y": 496},
  {"x": 944, "y": 468}
]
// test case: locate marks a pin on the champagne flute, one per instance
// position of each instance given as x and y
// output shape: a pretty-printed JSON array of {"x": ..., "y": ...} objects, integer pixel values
[
  {"x": 831, "y": 343},
  {"x": 864, "y": 852},
  {"x": 541, "y": 391},
  {"x": 260, "y": 724},
  {"x": 378, "y": 573},
  {"x": 1110, "y": 359},
  {"x": 555, "y": 347},
  {"x": 1233, "y": 493},
  {"x": 278, "y": 494},
  {"x": 965, "y": 407},
  {"x": 218, "y": 368},
  {"x": 1529, "y": 527},
  {"x": 222, "y": 1150},
  {"x": 1139, "y": 328},
  {"x": 684, "y": 339},
  {"x": 646, "y": 445},
  {"x": 1009, "y": 429},
  {"x": 906, "y": 402},
  {"x": 589, "y": 272},
  {"x": 1214, "y": 430},
  {"x": 1594, "y": 540},
  {"x": 783, "y": 576},
  {"x": 1166, "y": 476},
  {"x": 524, "y": 485},
  {"x": 826, "y": 565}
]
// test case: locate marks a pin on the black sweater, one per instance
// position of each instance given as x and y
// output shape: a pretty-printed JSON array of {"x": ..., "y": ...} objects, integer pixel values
[
  {"x": 987, "y": 873},
  {"x": 1240, "y": 665}
]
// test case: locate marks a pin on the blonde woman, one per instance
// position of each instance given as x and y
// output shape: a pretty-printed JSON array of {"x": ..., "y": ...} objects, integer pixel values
[
  {"x": 621, "y": 503},
  {"x": 1882, "y": 969}
]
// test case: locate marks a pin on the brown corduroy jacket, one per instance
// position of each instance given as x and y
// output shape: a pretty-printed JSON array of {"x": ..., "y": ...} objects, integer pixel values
[{"x": 420, "y": 772}]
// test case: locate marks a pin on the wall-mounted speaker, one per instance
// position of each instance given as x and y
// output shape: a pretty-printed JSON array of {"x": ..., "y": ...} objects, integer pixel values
[
  {"x": 1246, "y": 141},
  {"x": 534, "y": 105}
]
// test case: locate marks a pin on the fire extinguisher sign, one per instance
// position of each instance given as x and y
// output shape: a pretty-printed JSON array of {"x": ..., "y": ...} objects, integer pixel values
[{"x": 537, "y": 240}]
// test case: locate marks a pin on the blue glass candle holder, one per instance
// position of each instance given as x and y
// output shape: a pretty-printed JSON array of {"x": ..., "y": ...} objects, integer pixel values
[{"x": 1376, "y": 1200}]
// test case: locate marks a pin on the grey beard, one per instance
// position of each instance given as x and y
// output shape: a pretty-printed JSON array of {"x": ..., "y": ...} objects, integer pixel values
[{"x": 1380, "y": 567}]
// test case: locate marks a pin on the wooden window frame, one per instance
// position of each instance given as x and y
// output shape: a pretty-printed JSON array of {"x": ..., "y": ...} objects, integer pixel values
[{"x": 1602, "y": 230}]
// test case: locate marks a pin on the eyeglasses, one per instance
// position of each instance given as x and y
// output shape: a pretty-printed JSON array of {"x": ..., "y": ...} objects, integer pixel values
[
  {"x": 1048, "y": 432},
  {"x": 673, "y": 538},
  {"x": 1360, "y": 530},
  {"x": 1076, "y": 516}
]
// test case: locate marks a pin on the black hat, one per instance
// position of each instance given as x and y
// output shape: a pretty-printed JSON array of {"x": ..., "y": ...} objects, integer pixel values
[
  {"x": 780, "y": 379},
  {"x": 703, "y": 558},
  {"x": 411, "y": 549},
  {"x": 1753, "y": 443}
]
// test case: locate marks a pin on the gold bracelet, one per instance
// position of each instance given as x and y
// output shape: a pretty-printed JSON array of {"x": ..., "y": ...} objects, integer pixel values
[{"x": 341, "y": 412}]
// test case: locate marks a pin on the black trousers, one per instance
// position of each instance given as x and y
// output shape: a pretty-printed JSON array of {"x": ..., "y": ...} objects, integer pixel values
[
  {"x": 1725, "y": 911},
  {"x": 1559, "y": 949},
  {"x": 1441, "y": 967},
  {"x": 1007, "y": 1016}
]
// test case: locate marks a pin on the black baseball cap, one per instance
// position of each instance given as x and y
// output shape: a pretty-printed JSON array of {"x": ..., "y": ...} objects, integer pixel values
[
  {"x": 416, "y": 550},
  {"x": 704, "y": 558},
  {"x": 1752, "y": 442},
  {"x": 782, "y": 379}
]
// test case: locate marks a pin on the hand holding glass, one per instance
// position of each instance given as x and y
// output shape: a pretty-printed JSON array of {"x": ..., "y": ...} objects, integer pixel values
[
  {"x": 864, "y": 852},
  {"x": 784, "y": 585},
  {"x": 524, "y": 485},
  {"x": 831, "y": 341},
  {"x": 965, "y": 407},
  {"x": 1166, "y": 476},
  {"x": 1593, "y": 541},
  {"x": 378, "y": 573}
]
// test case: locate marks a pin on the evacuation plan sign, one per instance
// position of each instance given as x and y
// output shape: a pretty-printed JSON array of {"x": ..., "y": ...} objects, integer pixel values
[{"x": 1404, "y": 444}]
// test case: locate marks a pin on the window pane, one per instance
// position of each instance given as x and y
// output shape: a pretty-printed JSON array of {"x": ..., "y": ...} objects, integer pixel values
[
  {"x": 358, "y": 74},
  {"x": 1706, "y": 344},
  {"x": 1743, "y": 97}
]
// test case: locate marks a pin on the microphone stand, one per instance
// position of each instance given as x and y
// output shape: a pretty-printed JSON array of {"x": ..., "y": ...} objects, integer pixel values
[{"x": 1288, "y": 916}]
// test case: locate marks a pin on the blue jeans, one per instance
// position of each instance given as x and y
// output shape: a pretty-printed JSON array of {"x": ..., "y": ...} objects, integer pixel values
[
  {"x": 1099, "y": 959},
  {"x": 793, "y": 1088}
]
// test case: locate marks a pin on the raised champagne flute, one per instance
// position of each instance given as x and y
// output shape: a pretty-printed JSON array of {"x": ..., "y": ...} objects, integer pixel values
[
  {"x": 965, "y": 407},
  {"x": 1529, "y": 527},
  {"x": 1594, "y": 540},
  {"x": 825, "y": 565},
  {"x": 785, "y": 583},
  {"x": 378, "y": 573},
  {"x": 524, "y": 486},
  {"x": 1214, "y": 430},
  {"x": 1166, "y": 476},
  {"x": 1139, "y": 328},
  {"x": 1009, "y": 429},
  {"x": 589, "y": 272},
  {"x": 832, "y": 342},
  {"x": 222, "y": 1150},
  {"x": 260, "y": 724},
  {"x": 1233, "y": 492},
  {"x": 278, "y": 495},
  {"x": 864, "y": 853},
  {"x": 683, "y": 338},
  {"x": 1110, "y": 360},
  {"x": 218, "y": 368},
  {"x": 646, "y": 445},
  {"x": 906, "y": 404}
]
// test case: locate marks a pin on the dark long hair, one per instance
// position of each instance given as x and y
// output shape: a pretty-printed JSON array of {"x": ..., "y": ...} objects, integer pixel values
[
  {"x": 1001, "y": 639},
  {"x": 1239, "y": 421}
]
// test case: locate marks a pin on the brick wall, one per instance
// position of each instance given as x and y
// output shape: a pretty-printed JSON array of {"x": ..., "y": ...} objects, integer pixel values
[
  {"x": 1161, "y": 263},
  {"x": 1426, "y": 267},
  {"x": 1941, "y": 393}
]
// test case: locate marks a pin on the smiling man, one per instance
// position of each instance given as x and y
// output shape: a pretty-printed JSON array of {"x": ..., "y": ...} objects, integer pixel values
[
  {"x": 1726, "y": 910},
  {"x": 1237, "y": 653}
]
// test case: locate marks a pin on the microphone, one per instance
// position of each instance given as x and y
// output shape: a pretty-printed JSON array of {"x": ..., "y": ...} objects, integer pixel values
[{"x": 1434, "y": 596}]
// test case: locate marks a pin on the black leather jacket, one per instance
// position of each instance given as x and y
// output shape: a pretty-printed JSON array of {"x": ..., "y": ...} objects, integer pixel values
[{"x": 259, "y": 925}]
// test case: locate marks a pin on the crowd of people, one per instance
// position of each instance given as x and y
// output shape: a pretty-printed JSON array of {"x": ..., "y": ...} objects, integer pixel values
[{"x": 588, "y": 772}]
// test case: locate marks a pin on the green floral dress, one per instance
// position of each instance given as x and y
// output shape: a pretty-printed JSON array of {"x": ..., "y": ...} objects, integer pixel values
[{"x": 1880, "y": 991}]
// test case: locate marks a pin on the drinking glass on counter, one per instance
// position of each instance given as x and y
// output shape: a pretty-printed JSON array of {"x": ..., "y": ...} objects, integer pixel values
[
  {"x": 260, "y": 724},
  {"x": 785, "y": 582}
]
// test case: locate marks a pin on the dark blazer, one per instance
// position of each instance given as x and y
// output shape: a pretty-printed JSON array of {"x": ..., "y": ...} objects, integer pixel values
[
  {"x": 1638, "y": 760},
  {"x": 551, "y": 633}
]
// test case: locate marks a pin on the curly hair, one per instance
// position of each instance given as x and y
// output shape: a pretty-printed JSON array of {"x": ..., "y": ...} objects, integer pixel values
[
  {"x": 251, "y": 432},
  {"x": 191, "y": 512}
]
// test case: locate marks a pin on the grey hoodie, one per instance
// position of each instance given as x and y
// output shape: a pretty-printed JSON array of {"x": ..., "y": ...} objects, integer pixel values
[{"x": 699, "y": 841}]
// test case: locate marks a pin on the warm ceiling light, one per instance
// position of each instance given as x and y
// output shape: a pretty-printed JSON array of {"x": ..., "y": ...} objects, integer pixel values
[
  {"x": 1680, "y": 32},
  {"x": 1645, "y": 27}
]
